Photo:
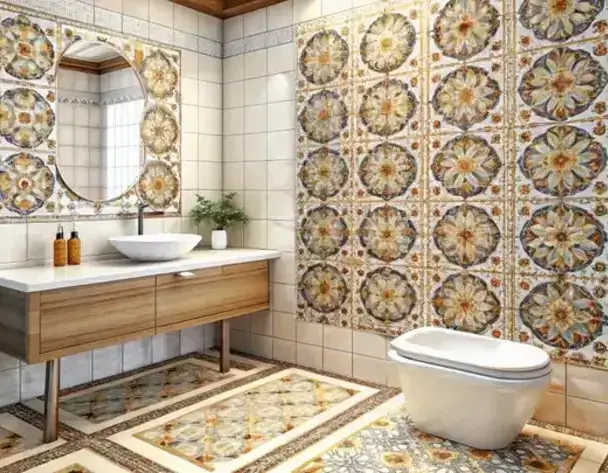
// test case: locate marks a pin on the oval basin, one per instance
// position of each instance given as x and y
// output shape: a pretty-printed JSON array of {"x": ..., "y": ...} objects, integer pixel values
[{"x": 160, "y": 247}]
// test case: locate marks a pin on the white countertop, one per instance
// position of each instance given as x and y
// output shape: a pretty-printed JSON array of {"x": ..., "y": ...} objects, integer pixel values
[{"x": 46, "y": 278}]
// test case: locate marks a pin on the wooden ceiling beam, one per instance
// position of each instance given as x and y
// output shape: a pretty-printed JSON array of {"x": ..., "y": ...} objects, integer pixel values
[{"x": 226, "y": 8}]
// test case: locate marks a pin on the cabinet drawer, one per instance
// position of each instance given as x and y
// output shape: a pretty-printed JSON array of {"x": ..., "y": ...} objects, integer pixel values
[
  {"x": 85, "y": 315},
  {"x": 210, "y": 293}
]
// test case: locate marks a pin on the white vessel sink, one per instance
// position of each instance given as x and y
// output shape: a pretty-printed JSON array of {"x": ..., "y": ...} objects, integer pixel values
[{"x": 161, "y": 247}]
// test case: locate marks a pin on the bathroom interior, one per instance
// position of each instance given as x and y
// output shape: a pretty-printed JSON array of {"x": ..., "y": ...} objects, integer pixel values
[{"x": 278, "y": 236}]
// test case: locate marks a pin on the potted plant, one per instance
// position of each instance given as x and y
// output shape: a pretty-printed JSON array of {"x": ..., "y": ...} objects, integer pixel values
[{"x": 223, "y": 213}]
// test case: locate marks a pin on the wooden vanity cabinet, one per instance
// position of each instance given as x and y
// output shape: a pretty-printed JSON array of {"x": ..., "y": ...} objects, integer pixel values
[{"x": 46, "y": 325}]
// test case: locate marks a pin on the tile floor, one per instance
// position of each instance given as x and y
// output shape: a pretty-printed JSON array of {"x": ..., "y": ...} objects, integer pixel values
[{"x": 183, "y": 416}]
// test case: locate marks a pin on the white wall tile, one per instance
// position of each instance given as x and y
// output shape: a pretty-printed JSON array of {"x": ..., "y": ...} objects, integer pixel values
[
  {"x": 282, "y": 58},
  {"x": 309, "y": 333},
  {"x": 256, "y": 91},
  {"x": 281, "y": 235},
  {"x": 13, "y": 237},
  {"x": 283, "y": 296},
  {"x": 370, "y": 369},
  {"x": 8, "y": 362},
  {"x": 338, "y": 362},
  {"x": 165, "y": 346},
  {"x": 255, "y": 64},
  {"x": 161, "y": 12},
  {"x": 190, "y": 118},
  {"x": 255, "y": 119},
  {"x": 233, "y": 28},
  {"x": 234, "y": 94},
  {"x": 261, "y": 323},
  {"x": 210, "y": 27},
  {"x": 209, "y": 94},
  {"x": 189, "y": 91},
  {"x": 334, "y": 6},
  {"x": 255, "y": 22},
  {"x": 256, "y": 235},
  {"x": 284, "y": 325},
  {"x": 211, "y": 69},
  {"x": 281, "y": 205},
  {"x": 234, "y": 121},
  {"x": 234, "y": 68},
  {"x": 281, "y": 116},
  {"x": 587, "y": 416},
  {"x": 185, "y": 19},
  {"x": 280, "y": 15},
  {"x": 233, "y": 176},
  {"x": 136, "y": 354},
  {"x": 255, "y": 147},
  {"x": 309, "y": 355},
  {"x": 210, "y": 148},
  {"x": 305, "y": 10},
  {"x": 587, "y": 383},
  {"x": 282, "y": 145},
  {"x": 189, "y": 64},
  {"x": 255, "y": 175},
  {"x": 107, "y": 361},
  {"x": 283, "y": 269},
  {"x": 210, "y": 175},
  {"x": 234, "y": 148},
  {"x": 284, "y": 350},
  {"x": 136, "y": 8},
  {"x": 281, "y": 175},
  {"x": 338, "y": 338},
  {"x": 239, "y": 340},
  {"x": 281, "y": 87},
  {"x": 261, "y": 345},
  {"x": 32, "y": 380},
  {"x": 210, "y": 120},
  {"x": 255, "y": 204},
  {"x": 192, "y": 339},
  {"x": 369, "y": 344},
  {"x": 76, "y": 369},
  {"x": 9, "y": 386}
]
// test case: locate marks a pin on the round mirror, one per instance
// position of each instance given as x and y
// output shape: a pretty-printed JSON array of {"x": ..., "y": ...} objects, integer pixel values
[{"x": 99, "y": 110}]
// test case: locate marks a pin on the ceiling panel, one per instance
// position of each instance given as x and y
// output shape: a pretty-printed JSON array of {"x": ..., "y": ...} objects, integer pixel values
[{"x": 226, "y": 8}]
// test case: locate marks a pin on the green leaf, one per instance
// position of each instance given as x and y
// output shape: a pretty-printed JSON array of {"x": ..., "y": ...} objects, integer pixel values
[{"x": 223, "y": 213}]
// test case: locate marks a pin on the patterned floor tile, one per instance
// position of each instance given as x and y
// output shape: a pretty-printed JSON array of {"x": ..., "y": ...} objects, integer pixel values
[
  {"x": 235, "y": 428},
  {"x": 81, "y": 461},
  {"x": 20, "y": 440},
  {"x": 92, "y": 409},
  {"x": 386, "y": 440}
]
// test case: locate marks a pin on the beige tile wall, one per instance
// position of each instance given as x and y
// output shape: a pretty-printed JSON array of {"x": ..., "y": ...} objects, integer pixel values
[{"x": 199, "y": 38}]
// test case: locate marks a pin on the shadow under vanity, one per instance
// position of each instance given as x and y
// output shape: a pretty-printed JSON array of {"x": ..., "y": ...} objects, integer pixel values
[{"x": 47, "y": 313}]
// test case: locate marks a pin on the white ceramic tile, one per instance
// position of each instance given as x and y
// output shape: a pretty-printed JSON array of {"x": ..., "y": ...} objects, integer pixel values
[
  {"x": 261, "y": 345},
  {"x": 261, "y": 323},
  {"x": 189, "y": 146},
  {"x": 255, "y": 147},
  {"x": 108, "y": 19},
  {"x": 255, "y": 64},
  {"x": 255, "y": 118},
  {"x": 234, "y": 94},
  {"x": 309, "y": 333},
  {"x": 281, "y": 116},
  {"x": 233, "y": 176},
  {"x": 558, "y": 378},
  {"x": 370, "y": 369},
  {"x": 283, "y": 269},
  {"x": 305, "y": 10},
  {"x": 210, "y": 148},
  {"x": 338, "y": 362},
  {"x": 255, "y": 22},
  {"x": 190, "y": 118},
  {"x": 234, "y": 68},
  {"x": 256, "y": 91},
  {"x": 587, "y": 416},
  {"x": 136, "y": 353},
  {"x": 192, "y": 339},
  {"x": 234, "y": 148},
  {"x": 14, "y": 238},
  {"x": 190, "y": 175},
  {"x": 587, "y": 383},
  {"x": 281, "y": 235},
  {"x": 32, "y": 380},
  {"x": 334, "y": 6},
  {"x": 234, "y": 121},
  {"x": 210, "y": 69},
  {"x": 185, "y": 19},
  {"x": 283, "y": 297},
  {"x": 76, "y": 369},
  {"x": 209, "y": 94},
  {"x": 255, "y": 204},
  {"x": 161, "y": 33},
  {"x": 284, "y": 350},
  {"x": 107, "y": 361},
  {"x": 281, "y": 205},
  {"x": 8, "y": 362},
  {"x": 189, "y": 64},
  {"x": 9, "y": 386},
  {"x": 255, "y": 175},
  {"x": 136, "y": 8},
  {"x": 241, "y": 323},
  {"x": 338, "y": 338},
  {"x": 210, "y": 121},
  {"x": 161, "y": 12},
  {"x": 165, "y": 346},
  {"x": 209, "y": 176},
  {"x": 552, "y": 409},
  {"x": 210, "y": 27},
  {"x": 284, "y": 325},
  {"x": 281, "y": 175},
  {"x": 239, "y": 340},
  {"x": 282, "y": 145},
  {"x": 309, "y": 355},
  {"x": 280, "y": 15},
  {"x": 282, "y": 58},
  {"x": 233, "y": 28},
  {"x": 281, "y": 87},
  {"x": 369, "y": 344},
  {"x": 256, "y": 234}
]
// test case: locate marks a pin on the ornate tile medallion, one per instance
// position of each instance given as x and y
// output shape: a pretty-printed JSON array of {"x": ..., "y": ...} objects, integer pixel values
[
  {"x": 158, "y": 185},
  {"x": 26, "y": 117}
]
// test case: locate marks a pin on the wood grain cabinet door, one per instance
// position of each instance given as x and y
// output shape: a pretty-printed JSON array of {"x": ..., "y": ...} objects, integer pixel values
[
  {"x": 97, "y": 315},
  {"x": 186, "y": 299}
]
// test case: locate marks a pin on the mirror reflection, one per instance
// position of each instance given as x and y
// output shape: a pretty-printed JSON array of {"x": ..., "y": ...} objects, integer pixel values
[{"x": 99, "y": 110}]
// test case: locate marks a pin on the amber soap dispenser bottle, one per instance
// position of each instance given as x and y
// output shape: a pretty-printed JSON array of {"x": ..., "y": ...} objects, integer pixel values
[
  {"x": 60, "y": 253},
  {"x": 74, "y": 249}
]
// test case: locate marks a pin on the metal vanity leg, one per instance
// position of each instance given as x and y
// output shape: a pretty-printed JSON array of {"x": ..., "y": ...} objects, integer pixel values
[
  {"x": 224, "y": 346},
  {"x": 51, "y": 401}
]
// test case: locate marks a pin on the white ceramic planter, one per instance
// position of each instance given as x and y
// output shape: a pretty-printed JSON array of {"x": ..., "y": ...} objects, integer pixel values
[{"x": 219, "y": 239}]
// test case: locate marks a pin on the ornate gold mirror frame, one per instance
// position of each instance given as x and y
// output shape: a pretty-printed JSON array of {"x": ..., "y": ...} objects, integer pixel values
[{"x": 30, "y": 183}]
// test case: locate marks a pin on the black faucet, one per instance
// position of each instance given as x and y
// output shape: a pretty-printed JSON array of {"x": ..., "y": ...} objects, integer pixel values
[{"x": 140, "y": 219}]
